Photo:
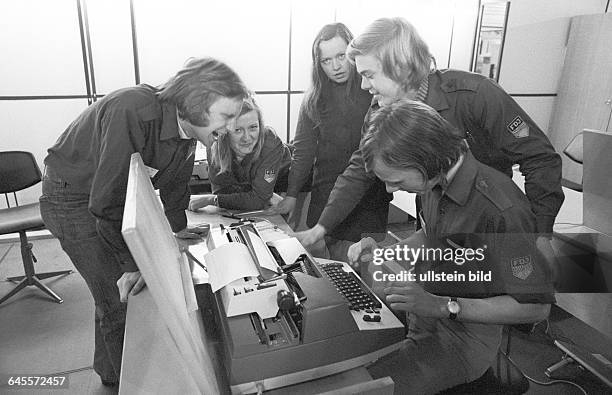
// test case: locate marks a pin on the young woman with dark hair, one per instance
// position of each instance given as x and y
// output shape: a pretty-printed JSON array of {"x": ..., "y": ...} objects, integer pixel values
[{"x": 327, "y": 134}]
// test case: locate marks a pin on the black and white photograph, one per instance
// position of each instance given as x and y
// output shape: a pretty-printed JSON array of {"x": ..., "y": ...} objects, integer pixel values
[{"x": 306, "y": 197}]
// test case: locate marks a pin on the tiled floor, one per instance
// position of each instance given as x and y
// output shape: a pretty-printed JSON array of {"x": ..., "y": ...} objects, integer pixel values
[{"x": 39, "y": 336}]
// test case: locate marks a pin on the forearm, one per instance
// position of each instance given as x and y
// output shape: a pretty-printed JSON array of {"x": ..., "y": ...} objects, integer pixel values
[
  {"x": 305, "y": 146},
  {"x": 348, "y": 190},
  {"x": 502, "y": 309},
  {"x": 543, "y": 188},
  {"x": 175, "y": 198},
  {"x": 300, "y": 169},
  {"x": 243, "y": 200},
  {"x": 110, "y": 232}
]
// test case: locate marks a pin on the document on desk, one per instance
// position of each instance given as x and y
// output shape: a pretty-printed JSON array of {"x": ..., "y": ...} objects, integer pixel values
[
  {"x": 199, "y": 275},
  {"x": 227, "y": 263}
]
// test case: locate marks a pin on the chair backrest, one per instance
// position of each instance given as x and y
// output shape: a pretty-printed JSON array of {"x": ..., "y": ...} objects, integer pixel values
[
  {"x": 574, "y": 149},
  {"x": 18, "y": 170}
]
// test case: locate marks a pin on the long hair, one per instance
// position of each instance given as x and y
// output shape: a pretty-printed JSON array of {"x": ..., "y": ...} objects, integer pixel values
[
  {"x": 222, "y": 153},
  {"x": 404, "y": 56},
  {"x": 197, "y": 85},
  {"x": 319, "y": 80},
  {"x": 411, "y": 135}
]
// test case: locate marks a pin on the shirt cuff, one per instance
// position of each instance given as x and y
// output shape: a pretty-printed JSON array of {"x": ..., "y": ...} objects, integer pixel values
[
  {"x": 177, "y": 220},
  {"x": 127, "y": 263},
  {"x": 327, "y": 223},
  {"x": 544, "y": 224}
]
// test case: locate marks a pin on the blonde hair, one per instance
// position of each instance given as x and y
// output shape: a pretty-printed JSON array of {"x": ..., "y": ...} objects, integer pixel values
[
  {"x": 222, "y": 153},
  {"x": 404, "y": 56}
]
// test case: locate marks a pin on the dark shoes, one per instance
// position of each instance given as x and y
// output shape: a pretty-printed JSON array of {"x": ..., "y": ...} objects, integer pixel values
[{"x": 109, "y": 383}]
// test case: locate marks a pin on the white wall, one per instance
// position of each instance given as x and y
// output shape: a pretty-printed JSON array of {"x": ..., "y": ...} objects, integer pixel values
[
  {"x": 534, "y": 51},
  {"x": 43, "y": 55},
  {"x": 34, "y": 125}
]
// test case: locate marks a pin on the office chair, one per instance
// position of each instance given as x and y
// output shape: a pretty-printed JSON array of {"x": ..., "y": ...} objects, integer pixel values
[
  {"x": 574, "y": 151},
  {"x": 18, "y": 170}
]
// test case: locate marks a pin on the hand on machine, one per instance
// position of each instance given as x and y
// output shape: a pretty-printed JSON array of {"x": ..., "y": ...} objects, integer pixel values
[
  {"x": 311, "y": 236},
  {"x": 361, "y": 252},
  {"x": 193, "y": 232},
  {"x": 285, "y": 206}
]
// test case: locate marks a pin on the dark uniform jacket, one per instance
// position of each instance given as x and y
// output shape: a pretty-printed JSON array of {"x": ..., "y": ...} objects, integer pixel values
[
  {"x": 329, "y": 146},
  {"x": 250, "y": 183},
  {"x": 93, "y": 155},
  {"x": 499, "y": 133},
  {"x": 483, "y": 209}
]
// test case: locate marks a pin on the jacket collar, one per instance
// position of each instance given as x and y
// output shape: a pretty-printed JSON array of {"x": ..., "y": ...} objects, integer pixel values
[
  {"x": 435, "y": 94},
  {"x": 460, "y": 186}
]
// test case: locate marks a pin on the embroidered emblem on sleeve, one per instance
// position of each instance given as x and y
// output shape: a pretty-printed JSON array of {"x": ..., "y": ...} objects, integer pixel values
[
  {"x": 518, "y": 128},
  {"x": 522, "y": 267},
  {"x": 270, "y": 175}
]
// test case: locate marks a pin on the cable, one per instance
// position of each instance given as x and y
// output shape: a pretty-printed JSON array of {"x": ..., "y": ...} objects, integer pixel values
[
  {"x": 70, "y": 371},
  {"x": 556, "y": 381}
]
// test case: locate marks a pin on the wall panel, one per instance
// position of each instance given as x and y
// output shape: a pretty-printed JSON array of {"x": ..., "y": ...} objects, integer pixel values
[
  {"x": 251, "y": 36},
  {"x": 34, "y": 126},
  {"x": 40, "y": 47},
  {"x": 111, "y": 44}
]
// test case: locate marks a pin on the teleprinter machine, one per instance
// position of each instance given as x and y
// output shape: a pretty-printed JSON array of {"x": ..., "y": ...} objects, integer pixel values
[{"x": 292, "y": 318}]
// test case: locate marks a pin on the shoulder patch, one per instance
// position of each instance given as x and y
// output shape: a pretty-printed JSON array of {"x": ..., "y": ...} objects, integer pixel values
[
  {"x": 493, "y": 193},
  {"x": 521, "y": 266},
  {"x": 269, "y": 175},
  {"x": 518, "y": 127}
]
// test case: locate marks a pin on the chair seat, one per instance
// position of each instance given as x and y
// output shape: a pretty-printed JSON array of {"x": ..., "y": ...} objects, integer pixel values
[{"x": 20, "y": 218}]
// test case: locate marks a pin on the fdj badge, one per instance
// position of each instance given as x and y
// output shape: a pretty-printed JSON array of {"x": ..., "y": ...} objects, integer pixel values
[
  {"x": 270, "y": 175},
  {"x": 522, "y": 266},
  {"x": 518, "y": 128}
]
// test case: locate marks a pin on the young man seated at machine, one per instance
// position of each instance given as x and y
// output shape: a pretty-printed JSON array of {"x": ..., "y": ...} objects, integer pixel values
[
  {"x": 244, "y": 164},
  {"x": 466, "y": 205}
]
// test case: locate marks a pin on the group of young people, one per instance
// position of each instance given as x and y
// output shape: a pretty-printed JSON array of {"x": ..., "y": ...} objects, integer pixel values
[{"x": 379, "y": 117}]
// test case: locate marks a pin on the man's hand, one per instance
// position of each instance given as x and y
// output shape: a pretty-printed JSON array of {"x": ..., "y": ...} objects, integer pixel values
[
  {"x": 199, "y": 201},
  {"x": 285, "y": 206},
  {"x": 130, "y": 283},
  {"x": 361, "y": 252},
  {"x": 411, "y": 297},
  {"x": 194, "y": 232},
  {"x": 309, "y": 237}
]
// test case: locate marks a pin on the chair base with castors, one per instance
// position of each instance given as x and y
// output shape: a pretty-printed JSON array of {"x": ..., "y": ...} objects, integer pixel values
[
  {"x": 31, "y": 277},
  {"x": 18, "y": 171}
]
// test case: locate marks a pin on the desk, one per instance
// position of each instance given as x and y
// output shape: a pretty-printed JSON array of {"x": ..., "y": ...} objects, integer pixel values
[
  {"x": 151, "y": 366},
  {"x": 591, "y": 308}
]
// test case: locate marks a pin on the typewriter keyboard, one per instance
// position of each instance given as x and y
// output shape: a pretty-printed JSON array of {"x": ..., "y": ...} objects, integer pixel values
[{"x": 351, "y": 287}]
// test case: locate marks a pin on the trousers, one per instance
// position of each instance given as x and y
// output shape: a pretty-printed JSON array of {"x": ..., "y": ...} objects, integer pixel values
[
  {"x": 65, "y": 213},
  {"x": 439, "y": 354}
]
